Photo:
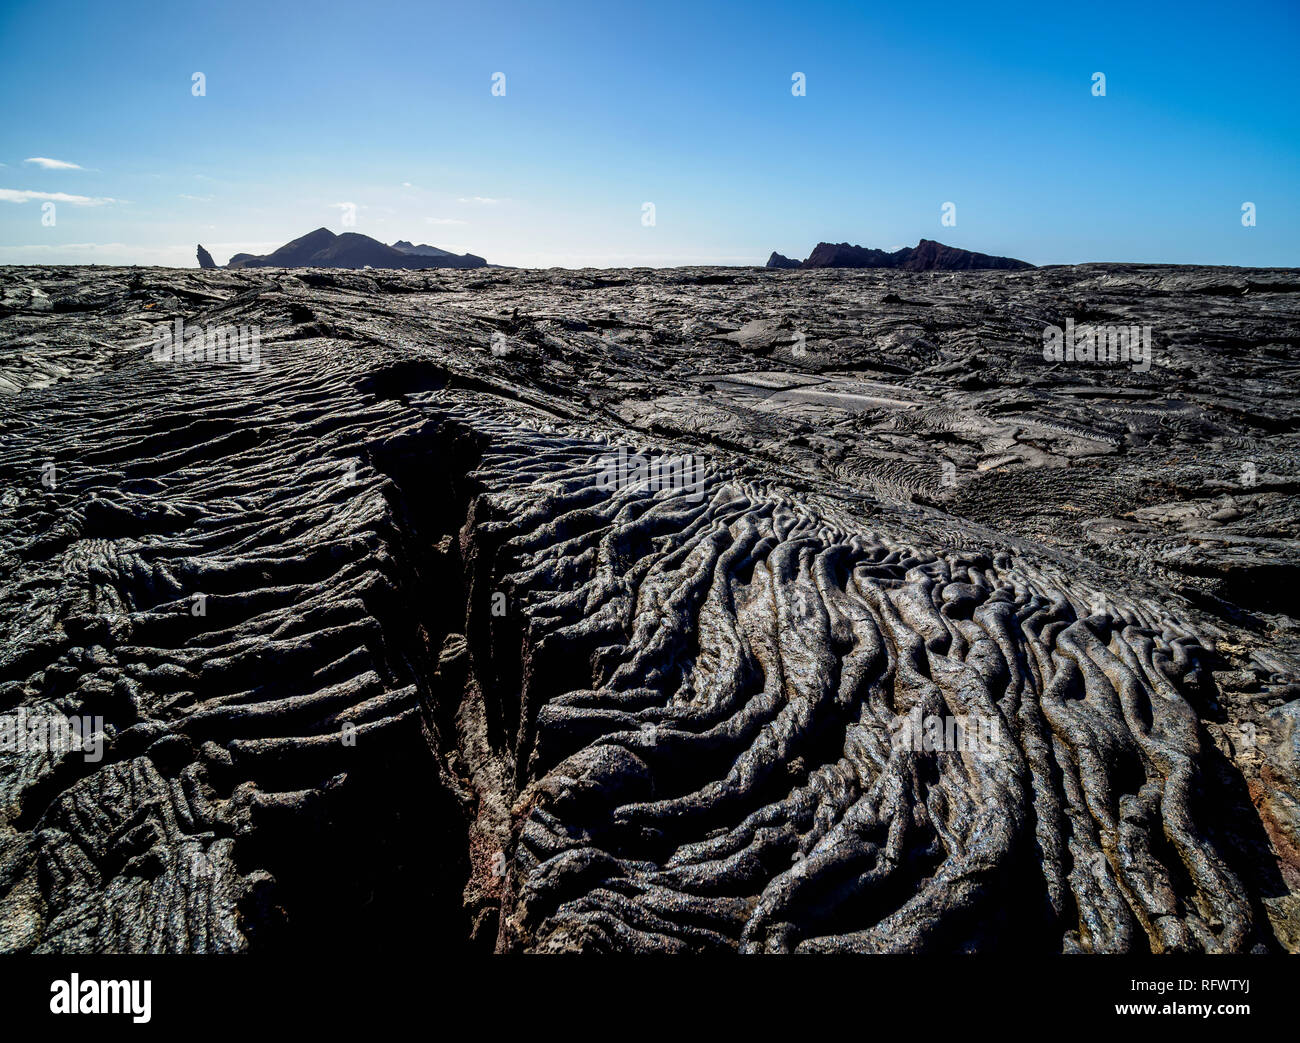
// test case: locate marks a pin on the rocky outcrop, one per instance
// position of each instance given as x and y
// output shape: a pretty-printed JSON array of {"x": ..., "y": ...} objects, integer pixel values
[
  {"x": 446, "y": 259},
  {"x": 926, "y": 256},
  {"x": 423, "y": 250},
  {"x": 323, "y": 249},
  {"x": 559, "y": 611},
  {"x": 205, "y": 258},
  {"x": 842, "y": 255},
  {"x": 929, "y": 256},
  {"x": 779, "y": 261}
]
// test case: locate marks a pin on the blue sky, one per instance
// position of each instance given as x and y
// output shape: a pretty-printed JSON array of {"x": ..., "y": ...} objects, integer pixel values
[{"x": 389, "y": 106}]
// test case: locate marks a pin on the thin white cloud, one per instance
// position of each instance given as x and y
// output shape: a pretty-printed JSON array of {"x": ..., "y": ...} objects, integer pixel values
[
  {"x": 98, "y": 253},
  {"x": 14, "y": 195},
  {"x": 181, "y": 255},
  {"x": 619, "y": 260},
  {"x": 481, "y": 200},
  {"x": 53, "y": 164},
  {"x": 195, "y": 199},
  {"x": 245, "y": 247},
  {"x": 407, "y": 184},
  {"x": 444, "y": 221}
]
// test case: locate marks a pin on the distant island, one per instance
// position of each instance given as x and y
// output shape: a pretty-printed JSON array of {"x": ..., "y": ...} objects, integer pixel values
[
  {"x": 323, "y": 249},
  {"x": 925, "y": 256}
]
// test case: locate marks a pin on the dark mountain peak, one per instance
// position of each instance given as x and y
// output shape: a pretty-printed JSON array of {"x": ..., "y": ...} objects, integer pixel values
[
  {"x": 316, "y": 238},
  {"x": 781, "y": 261},
  {"x": 320, "y": 235},
  {"x": 930, "y": 256},
  {"x": 842, "y": 255},
  {"x": 927, "y": 255},
  {"x": 205, "y": 258},
  {"x": 423, "y": 250},
  {"x": 323, "y": 249}
]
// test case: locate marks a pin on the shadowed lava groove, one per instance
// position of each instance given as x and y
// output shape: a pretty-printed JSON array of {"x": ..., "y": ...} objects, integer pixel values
[{"x": 376, "y": 652}]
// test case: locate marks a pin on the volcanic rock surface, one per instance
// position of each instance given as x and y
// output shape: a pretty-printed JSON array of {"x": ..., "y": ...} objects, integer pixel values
[{"x": 381, "y": 651}]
